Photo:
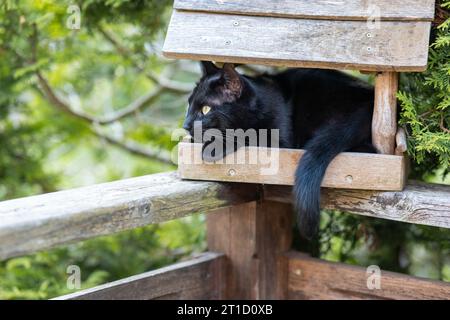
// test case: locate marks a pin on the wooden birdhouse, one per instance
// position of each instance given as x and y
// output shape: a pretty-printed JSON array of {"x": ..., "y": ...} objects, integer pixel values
[{"x": 380, "y": 36}]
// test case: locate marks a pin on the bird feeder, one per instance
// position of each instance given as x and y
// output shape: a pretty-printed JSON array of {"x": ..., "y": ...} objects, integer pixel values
[{"x": 380, "y": 36}]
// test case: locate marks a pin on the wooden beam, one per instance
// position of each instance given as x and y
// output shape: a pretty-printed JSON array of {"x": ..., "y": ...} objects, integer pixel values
[
  {"x": 311, "y": 278},
  {"x": 45, "y": 221},
  {"x": 253, "y": 237},
  {"x": 329, "y": 10},
  {"x": 384, "y": 122},
  {"x": 251, "y": 165},
  {"x": 298, "y": 42},
  {"x": 42, "y": 222},
  {"x": 418, "y": 203},
  {"x": 198, "y": 278}
]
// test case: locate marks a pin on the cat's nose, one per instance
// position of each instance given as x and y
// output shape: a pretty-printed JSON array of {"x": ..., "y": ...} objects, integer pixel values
[{"x": 188, "y": 122}]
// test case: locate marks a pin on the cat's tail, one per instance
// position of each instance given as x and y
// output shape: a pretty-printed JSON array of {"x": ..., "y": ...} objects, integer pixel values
[{"x": 326, "y": 144}]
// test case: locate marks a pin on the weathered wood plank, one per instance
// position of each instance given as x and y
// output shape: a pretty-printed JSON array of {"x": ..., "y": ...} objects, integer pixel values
[
  {"x": 232, "y": 232},
  {"x": 418, "y": 203},
  {"x": 252, "y": 164},
  {"x": 187, "y": 280},
  {"x": 45, "y": 221},
  {"x": 254, "y": 238},
  {"x": 384, "y": 121},
  {"x": 311, "y": 278},
  {"x": 41, "y": 222},
  {"x": 393, "y": 46},
  {"x": 331, "y": 10}
]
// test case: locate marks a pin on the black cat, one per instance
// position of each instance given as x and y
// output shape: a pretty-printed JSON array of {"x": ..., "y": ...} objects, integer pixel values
[{"x": 322, "y": 111}]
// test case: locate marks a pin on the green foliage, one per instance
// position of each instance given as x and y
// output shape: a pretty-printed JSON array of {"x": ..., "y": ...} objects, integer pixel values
[
  {"x": 425, "y": 102},
  {"x": 44, "y": 275}
]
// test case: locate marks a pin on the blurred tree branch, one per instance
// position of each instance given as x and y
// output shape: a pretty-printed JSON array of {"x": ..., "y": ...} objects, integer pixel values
[
  {"x": 170, "y": 85},
  {"x": 139, "y": 103},
  {"x": 48, "y": 92},
  {"x": 135, "y": 148}
]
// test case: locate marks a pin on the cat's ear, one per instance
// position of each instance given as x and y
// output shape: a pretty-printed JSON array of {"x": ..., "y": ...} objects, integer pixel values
[
  {"x": 208, "y": 68},
  {"x": 233, "y": 81}
]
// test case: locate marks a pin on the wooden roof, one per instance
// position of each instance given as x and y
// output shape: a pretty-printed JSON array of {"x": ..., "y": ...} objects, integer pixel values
[{"x": 377, "y": 35}]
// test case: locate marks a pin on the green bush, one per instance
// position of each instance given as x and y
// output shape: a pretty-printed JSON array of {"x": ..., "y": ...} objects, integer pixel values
[
  {"x": 44, "y": 275},
  {"x": 425, "y": 105}
]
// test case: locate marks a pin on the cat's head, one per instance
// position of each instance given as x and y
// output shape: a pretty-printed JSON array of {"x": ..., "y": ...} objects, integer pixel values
[{"x": 217, "y": 102}]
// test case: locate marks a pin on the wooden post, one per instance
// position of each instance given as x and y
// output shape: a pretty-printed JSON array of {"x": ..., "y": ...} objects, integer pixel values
[
  {"x": 254, "y": 238},
  {"x": 384, "y": 122}
]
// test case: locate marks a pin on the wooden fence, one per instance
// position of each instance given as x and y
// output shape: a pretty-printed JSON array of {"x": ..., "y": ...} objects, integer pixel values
[{"x": 249, "y": 237}]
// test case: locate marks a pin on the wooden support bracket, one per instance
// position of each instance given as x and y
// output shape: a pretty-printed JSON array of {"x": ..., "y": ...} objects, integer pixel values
[{"x": 384, "y": 122}]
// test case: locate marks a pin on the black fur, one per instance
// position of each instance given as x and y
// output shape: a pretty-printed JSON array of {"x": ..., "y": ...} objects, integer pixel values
[{"x": 322, "y": 111}]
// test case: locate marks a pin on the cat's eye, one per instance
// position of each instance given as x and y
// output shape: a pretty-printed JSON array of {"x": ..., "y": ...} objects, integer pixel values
[{"x": 206, "y": 109}]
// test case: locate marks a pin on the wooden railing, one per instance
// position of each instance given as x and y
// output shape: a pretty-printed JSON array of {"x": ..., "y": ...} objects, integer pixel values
[{"x": 249, "y": 237}]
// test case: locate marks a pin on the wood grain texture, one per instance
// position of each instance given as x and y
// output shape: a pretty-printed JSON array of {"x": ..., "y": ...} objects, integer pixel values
[
  {"x": 347, "y": 170},
  {"x": 45, "y": 221},
  {"x": 384, "y": 121},
  {"x": 322, "y": 9},
  {"x": 394, "y": 46},
  {"x": 42, "y": 222},
  {"x": 222, "y": 226},
  {"x": 418, "y": 203},
  {"x": 274, "y": 226},
  {"x": 253, "y": 237},
  {"x": 311, "y": 278},
  {"x": 187, "y": 280}
]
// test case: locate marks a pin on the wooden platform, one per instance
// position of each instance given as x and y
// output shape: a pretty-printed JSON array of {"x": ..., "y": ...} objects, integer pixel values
[{"x": 277, "y": 166}]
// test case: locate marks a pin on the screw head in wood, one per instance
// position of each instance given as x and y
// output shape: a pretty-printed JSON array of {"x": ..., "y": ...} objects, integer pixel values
[{"x": 231, "y": 172}]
